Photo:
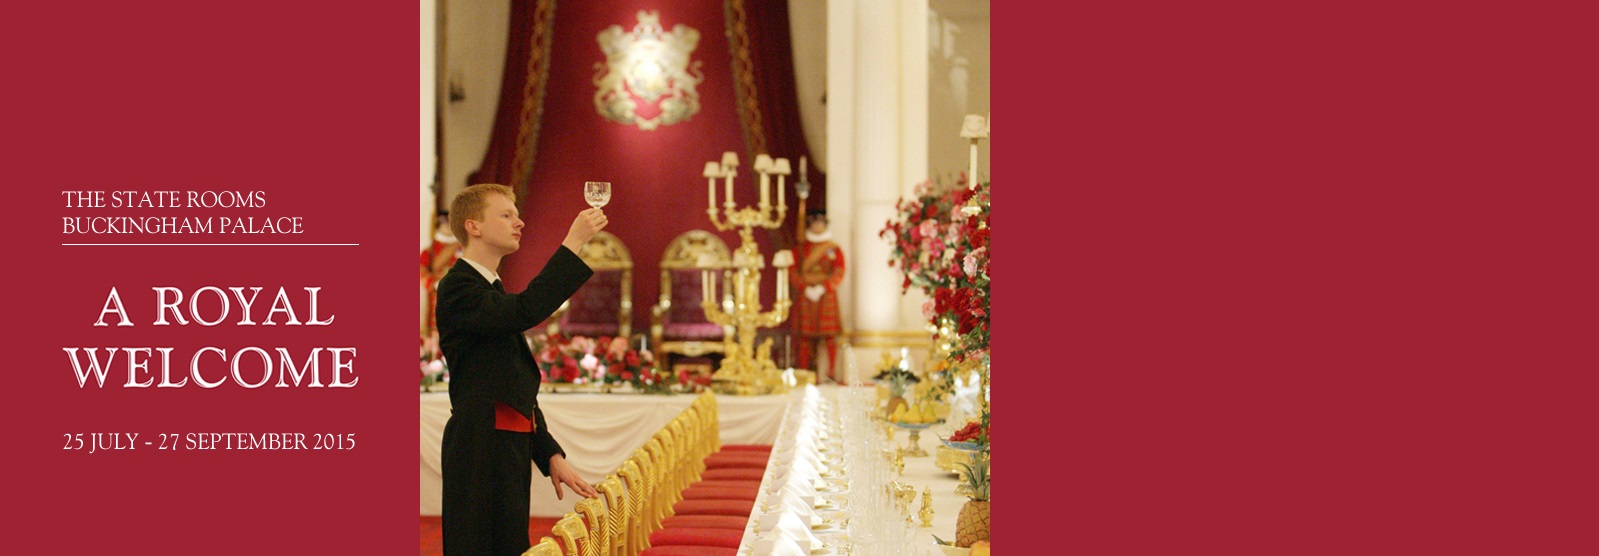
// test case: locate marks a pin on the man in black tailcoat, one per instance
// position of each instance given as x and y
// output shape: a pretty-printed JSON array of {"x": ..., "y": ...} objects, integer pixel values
[{"x": 496, "y": 432}]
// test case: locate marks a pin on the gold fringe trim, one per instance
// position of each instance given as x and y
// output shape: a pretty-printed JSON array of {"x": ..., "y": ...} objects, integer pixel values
[
  {"x": 749, "y": 105},
  {"x": 538, "y": 74}
]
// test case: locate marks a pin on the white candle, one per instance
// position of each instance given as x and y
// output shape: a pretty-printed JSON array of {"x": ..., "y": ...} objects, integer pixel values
[
  {"x": 781, "y": 190},
  {"x": 730, "y": 166},
  {"x": 766, "y": 181},
  {"x": 971, "y": 177},
  {"x": 975, "y": 127},
  {"x": 712, "y": 169}
]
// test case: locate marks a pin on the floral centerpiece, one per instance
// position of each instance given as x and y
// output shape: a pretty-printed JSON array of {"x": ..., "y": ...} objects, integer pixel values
[
  {"x": 603, "y": 361},
  {"x": 944, "y": 251},
  {"x": 693, "y": 382},
  {"x": 896, "y": 379},
  {"x": 559, "y": 359},
  {"x": 623, "y": 365},
  {"x": 940, "y": 242}
]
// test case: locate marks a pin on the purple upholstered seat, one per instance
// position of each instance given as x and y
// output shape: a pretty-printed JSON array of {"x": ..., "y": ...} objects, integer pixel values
[
  {"x": 686, "y": 319},
  {"x": 593, "y": 310}
]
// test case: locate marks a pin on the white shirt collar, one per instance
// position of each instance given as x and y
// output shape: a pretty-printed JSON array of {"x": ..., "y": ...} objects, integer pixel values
[
  {"x": 818, "y": 238},
  {"x": 489, "y": 275}
]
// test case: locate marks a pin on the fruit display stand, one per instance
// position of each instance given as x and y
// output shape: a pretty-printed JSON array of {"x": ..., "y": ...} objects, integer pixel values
[
  {"x": 924, "y": 472},
  {"x": 949, "y": 459}
]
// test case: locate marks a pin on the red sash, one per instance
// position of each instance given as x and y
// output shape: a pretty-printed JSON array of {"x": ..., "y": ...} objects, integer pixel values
[{"x": 507, "y": 418}]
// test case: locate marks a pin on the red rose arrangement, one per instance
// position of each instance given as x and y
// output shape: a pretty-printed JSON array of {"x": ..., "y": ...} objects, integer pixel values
[
  {"x": 583, "y": 360},
  {"x": 944, "y": 252},
  {"x": 693, "y": 382}
]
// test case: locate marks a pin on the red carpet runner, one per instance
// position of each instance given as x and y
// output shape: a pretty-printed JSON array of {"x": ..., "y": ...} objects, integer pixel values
[{"x": 709, "y": 521}]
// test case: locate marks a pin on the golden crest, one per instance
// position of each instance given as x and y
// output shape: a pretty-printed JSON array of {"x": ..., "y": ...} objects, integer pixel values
[{"x": 647, "y": 79}]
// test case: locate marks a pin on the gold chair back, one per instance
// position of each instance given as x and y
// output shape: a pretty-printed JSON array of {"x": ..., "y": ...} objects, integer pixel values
[
  {"x": 593, "y": 513},
  {"x": 617, "y": 515},
  {"x": 570, "y": 530},
  {"x": 545, "y": 547},
  {"x": 640, "y": 495},
  {"x": 655, "y": 454},
  {"x": 638, "y": 486}
]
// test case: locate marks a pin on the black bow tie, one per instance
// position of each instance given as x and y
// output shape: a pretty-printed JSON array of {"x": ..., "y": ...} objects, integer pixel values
[{"x": 499, "y": 287}]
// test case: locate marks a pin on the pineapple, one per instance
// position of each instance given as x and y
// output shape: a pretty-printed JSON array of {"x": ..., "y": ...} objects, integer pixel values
[
  {"x": 896, "y": 391},
  {"x": 972, "y": 524}
]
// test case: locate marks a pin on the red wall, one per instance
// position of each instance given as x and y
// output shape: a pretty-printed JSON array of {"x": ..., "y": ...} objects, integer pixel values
[{"x": 657, "y": 191}]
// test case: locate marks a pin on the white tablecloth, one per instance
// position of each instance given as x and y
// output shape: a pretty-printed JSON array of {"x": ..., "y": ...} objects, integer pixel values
[
  {"x": 599, "y": 432},
  {"x": 919, "y": 472}
]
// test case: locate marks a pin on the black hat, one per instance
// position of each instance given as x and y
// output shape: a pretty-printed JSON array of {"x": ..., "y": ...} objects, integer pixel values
[{"x": 816, "y": 214}]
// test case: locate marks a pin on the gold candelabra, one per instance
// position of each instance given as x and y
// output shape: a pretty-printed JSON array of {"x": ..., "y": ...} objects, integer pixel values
[{"x": 745, "y": 368}]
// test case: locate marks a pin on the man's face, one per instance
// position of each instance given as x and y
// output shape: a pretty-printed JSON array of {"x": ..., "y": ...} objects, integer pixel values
[
  {"x": 818, "y": 226},
  {"x": 501, "y": 226}
]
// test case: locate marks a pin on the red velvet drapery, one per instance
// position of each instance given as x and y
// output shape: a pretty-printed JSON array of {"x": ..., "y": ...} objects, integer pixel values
[
  {"x": 549, "y": 138},
  {"x": 759, "y": 33},
  {"x": 513, "y": 141}
]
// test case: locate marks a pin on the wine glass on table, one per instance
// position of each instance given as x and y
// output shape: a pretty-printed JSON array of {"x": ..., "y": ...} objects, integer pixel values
[{"x": 597, "y": 193}]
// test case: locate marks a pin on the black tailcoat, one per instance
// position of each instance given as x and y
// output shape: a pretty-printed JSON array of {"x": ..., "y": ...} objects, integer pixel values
[{"x": 487, "y": 476}]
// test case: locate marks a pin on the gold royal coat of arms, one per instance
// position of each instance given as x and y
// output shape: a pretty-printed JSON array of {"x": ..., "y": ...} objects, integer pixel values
[{"x": 648, "y": 67}]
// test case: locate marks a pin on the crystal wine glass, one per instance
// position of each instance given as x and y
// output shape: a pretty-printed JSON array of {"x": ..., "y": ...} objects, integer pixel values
[{"x": 597, "y": 193}]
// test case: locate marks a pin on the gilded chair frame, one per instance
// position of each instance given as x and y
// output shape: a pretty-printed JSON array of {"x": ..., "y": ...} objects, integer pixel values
[
  {"x": 617, "y": 515},
  {"x": 592, "y": 510},
  {"x": 660, "y": 494},
  {"x": 687, "y": 252},
  {"x": 605, "y": 253},
  {"x": 642, "y": 492},
  {"x": 638, "y": 485},
  {"x": 573, "y": 534},
  {"x": 545, "y": 547}
]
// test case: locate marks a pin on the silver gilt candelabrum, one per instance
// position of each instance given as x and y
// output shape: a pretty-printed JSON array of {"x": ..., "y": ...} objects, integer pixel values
[{"x": 747, "y": 369}]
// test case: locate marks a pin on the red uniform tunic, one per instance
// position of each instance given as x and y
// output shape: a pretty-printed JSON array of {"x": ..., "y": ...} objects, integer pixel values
[{"x": 821, "y": 263}]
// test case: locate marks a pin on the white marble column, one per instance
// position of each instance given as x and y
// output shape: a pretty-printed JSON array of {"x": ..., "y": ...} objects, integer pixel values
[
  {"x": 877, "y": 149},
  {"x": 914, "y": 69},
  {"x": 429, "y": 156}
]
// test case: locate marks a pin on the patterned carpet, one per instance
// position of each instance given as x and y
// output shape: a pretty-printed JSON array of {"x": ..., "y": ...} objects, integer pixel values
[{"x": 433, "y": 533}]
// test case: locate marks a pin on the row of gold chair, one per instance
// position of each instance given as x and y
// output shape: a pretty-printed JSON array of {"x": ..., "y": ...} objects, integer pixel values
[{"x": 637, "y": 498}]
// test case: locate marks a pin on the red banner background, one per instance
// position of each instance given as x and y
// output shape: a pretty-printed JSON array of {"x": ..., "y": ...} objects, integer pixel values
[
  {"x": 657, "y": 191},
  {"x": 312, "y": 103}
]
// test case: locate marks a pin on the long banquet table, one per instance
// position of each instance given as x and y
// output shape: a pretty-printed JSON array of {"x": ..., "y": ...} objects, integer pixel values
[
  {"x": 919, "y": 472},
  {"x": 599, "y": 432}
]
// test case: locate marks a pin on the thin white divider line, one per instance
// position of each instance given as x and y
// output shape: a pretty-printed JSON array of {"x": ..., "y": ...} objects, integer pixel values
[{"x": 210, "y": 244}]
